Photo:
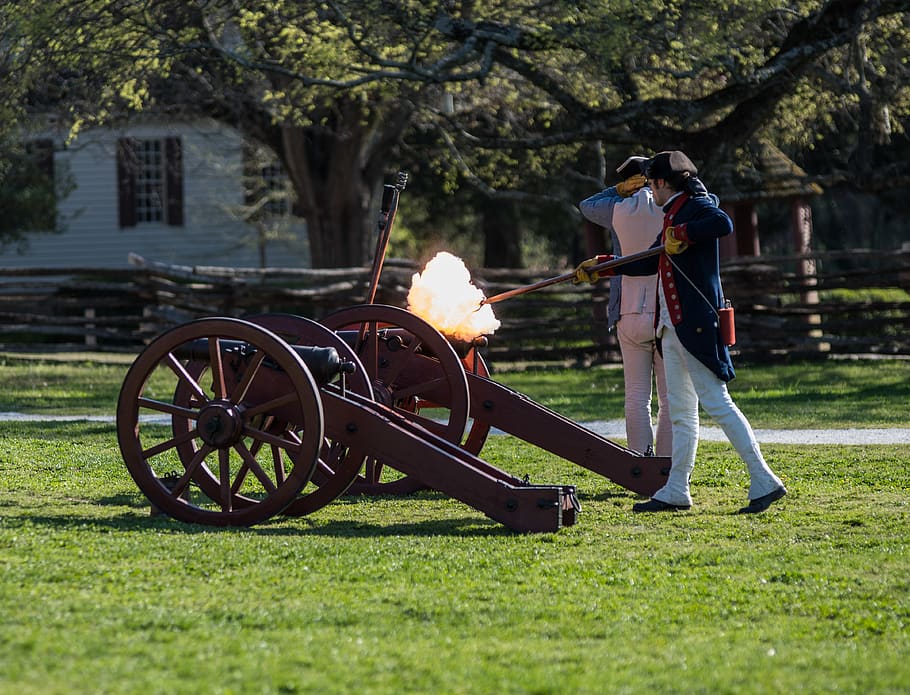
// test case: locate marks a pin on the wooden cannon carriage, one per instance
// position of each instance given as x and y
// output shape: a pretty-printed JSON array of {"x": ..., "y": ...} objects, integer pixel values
[{"x": 261, "y": 426}]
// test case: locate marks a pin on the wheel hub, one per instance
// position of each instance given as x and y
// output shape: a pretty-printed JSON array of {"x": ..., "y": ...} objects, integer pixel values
[{"x": 220, "y": 424}]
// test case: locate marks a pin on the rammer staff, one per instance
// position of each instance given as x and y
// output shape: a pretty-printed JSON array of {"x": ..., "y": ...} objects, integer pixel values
[{"x": 621, "y": 260}]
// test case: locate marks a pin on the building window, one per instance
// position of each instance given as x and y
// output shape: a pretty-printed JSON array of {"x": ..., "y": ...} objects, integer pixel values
[
  {"x": 150, "y": 181},
  {"x": 267, "y": 189},
  {"x": 277, "y": 189},
  {"x": 151, "y": 194}
]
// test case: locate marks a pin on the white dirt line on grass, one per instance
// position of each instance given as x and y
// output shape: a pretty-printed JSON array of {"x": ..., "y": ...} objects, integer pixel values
[
  {"x": 610, "y": 429},
  {"x": 40, "y": 417}
]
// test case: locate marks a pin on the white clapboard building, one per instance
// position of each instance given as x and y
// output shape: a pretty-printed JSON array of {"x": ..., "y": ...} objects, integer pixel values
[{"x": 169, "y": 192}]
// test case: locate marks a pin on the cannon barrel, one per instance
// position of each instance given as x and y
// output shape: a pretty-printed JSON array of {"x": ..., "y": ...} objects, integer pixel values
[{"x": 324, "y": 363}]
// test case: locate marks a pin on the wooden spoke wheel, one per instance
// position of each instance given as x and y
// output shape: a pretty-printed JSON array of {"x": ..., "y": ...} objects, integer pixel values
[
  {"x": 338, "y": 465},
  {"x": 215, "y": 445},
  {"x": 477, "y": 429},
  {"x": 414, "y": 370}
]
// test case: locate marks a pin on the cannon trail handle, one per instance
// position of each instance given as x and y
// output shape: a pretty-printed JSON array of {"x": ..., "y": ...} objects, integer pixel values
[
  {"x": 388, "y": 208},
  {"x": 621, "y": 260}
]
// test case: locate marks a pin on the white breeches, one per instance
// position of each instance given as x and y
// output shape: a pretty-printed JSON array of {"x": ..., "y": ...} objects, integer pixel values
[
  {"x": 689, "y": 383},
  {"x": 642, "y": 365}
]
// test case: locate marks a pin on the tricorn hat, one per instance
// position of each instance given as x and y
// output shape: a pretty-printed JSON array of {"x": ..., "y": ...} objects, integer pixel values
[
  {"x": 666, "y": 165},
  {"x": 633, "y": 166}
]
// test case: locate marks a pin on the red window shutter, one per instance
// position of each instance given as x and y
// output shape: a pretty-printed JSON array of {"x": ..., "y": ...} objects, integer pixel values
[
  {"x": 126, "y": 181},
  {"x": 174, "y": 173}
]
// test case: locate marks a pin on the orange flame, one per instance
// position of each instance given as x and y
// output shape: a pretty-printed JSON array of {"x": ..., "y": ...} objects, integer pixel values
[{"x": 443, "y": 296}]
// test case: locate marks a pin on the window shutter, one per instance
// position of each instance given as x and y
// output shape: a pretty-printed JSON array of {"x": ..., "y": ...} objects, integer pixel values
[
  {"x": 251, "y": 174},
  {"x": 43, "y": 152},
  {"x": 174, "y": 172},
  {"x": 126, "y": 181}
]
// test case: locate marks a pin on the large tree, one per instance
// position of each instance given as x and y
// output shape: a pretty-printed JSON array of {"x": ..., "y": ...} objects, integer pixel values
[{"x": 499, "y": 92}]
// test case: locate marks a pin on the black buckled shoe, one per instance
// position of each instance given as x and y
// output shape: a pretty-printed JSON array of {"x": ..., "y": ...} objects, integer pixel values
[
  {"x": 762, "y": 503},
  {"x": 653, "y": 505}
]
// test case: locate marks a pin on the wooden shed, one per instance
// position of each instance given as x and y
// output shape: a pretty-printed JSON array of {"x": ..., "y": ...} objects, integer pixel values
[{"x": 760, "y": 172}]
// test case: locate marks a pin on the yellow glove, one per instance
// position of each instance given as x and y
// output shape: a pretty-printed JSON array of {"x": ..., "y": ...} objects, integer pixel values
[
  {"x": 675, "y": 240},
  {"x": 583, "y": 272},
  {"x": 630, "y": 185}
]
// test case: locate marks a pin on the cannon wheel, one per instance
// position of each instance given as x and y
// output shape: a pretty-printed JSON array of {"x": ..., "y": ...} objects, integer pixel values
[
  {"x": 478, "y": 430},
  {"x": 422, "y": 372},
  {"x": 248, "y": 469},
  {"x": 338, "y": 466}
]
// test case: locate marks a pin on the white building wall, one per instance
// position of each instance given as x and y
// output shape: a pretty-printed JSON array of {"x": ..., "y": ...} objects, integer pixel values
[{"x": 211, "y": 235}]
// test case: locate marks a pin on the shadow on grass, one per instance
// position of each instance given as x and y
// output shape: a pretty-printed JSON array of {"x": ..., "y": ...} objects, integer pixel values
[
  {"x": 278, "y": 525},
  {"x": 608, "y": 495},
  {"x": 477, "y": 527}
]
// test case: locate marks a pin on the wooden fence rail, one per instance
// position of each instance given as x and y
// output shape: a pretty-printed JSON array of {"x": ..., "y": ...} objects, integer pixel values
[{"x": 848, "y": 302}]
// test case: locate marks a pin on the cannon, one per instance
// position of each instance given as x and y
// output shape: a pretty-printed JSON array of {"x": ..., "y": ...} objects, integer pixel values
[
  {"x": 221, "y": 421},
  {"x": 412, "y": 370}
]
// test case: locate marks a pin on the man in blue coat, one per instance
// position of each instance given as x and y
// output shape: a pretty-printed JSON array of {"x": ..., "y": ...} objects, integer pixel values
[{"x": 696, "y": 360}]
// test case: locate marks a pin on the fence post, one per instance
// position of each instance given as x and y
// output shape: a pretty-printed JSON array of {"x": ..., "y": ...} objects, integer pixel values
[
  {"x": 806, "y": 268},
  {"x": 90, "y": 340}
]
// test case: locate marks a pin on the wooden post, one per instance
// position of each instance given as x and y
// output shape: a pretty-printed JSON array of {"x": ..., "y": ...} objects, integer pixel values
[
  {"x": 745, "y": 223},
  {"x": 90, "y": 340},
  {"x": 806, "y": 270},
  {"x": 727, "y": 244}
]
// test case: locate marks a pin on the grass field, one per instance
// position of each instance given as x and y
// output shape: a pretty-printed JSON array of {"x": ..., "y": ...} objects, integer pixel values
[
  {"x": 812, "y": 395},
  {"x": 425, "y": 595}
]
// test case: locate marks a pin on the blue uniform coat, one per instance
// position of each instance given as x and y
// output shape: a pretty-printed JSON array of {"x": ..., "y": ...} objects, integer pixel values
[{"x": 696, "y": 276}]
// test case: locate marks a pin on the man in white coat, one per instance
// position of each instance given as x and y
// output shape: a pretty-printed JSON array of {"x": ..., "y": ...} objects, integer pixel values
[{"x": 629, "y": 212}]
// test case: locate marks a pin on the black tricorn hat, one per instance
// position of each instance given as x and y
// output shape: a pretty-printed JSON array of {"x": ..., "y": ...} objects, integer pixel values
[
  {"x": 633, "y": 166},
  {"x": 669, "y": 164}
]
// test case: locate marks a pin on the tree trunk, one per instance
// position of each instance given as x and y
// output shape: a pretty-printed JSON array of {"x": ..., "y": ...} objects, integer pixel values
[
  {"x": 502, "y": 236},
  {"x": 333, "y": 195},
  {"x": 336, "y": 167}
]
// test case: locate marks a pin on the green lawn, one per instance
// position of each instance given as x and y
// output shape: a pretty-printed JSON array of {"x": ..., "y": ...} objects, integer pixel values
[
  {"x": 811, "y": 395},
  {"x": 425, "y": 595}
]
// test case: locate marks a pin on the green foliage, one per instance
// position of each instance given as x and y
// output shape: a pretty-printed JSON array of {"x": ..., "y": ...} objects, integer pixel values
[
  {"x": 859, "y": 91},
  {"x": 506, "y": 98},
  {"x": 871, "y": 294},
  {"x": 27, "y": 196}
]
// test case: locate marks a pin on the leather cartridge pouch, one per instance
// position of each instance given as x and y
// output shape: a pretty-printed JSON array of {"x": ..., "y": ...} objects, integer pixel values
[{"x": 726, "y": 322}]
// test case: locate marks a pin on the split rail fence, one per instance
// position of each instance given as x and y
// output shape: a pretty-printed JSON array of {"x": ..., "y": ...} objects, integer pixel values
[{"x": 846, "y": 302}]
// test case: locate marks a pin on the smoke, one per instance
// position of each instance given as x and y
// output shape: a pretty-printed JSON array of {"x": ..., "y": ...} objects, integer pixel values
[{"x": 444, "y": 296}]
